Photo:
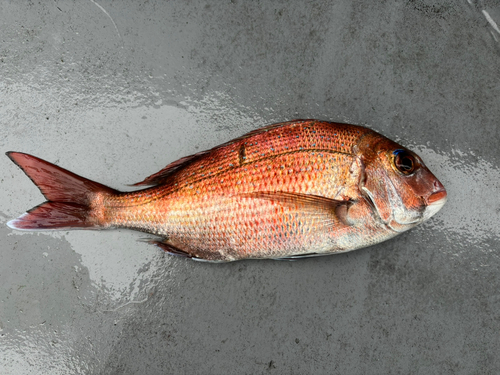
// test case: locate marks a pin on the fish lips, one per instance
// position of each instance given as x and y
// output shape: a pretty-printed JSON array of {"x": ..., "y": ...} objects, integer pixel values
[{"x": 434, "y": 203}]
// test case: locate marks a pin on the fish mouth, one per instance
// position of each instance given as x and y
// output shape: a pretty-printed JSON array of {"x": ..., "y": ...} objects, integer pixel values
[
  {"x": 435, "y": 202},
  {"x": 437, "y": 196}
]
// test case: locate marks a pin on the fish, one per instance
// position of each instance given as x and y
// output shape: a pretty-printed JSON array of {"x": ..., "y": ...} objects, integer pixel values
[{"x": 289, "y": 190}]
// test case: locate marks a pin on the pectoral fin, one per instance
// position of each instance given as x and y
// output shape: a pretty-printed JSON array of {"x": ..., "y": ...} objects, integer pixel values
[{"x": 334, "y": 211}]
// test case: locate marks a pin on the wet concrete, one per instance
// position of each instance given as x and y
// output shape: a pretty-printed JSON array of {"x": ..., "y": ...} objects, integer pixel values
[{"x": 116, "y": 90}]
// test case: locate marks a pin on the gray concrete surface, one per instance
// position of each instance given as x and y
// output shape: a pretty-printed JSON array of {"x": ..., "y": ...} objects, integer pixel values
[{"x": 115, "y": 90}]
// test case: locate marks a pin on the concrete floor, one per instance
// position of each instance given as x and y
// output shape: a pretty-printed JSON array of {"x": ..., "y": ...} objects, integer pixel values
[{"x": 115, "y": 90}]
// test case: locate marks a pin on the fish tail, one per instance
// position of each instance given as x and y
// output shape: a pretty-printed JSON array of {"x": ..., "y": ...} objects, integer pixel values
[{"x": 73, "y": 202}]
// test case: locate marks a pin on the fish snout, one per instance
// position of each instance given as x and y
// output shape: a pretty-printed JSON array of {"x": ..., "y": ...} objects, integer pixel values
[{"x": 437, "y": 194}]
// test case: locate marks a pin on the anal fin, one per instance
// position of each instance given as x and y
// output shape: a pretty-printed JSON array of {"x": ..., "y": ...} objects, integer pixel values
[
  {"x": 168, "y": 248},
  {"x": 172, "y": 250}
]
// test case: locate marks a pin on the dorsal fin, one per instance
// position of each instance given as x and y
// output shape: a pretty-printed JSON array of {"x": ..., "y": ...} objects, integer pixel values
[
  {"x": 162, "y": 176},
  {"x": 267, "y": 128},
  {"x": 165, "y": 173}
]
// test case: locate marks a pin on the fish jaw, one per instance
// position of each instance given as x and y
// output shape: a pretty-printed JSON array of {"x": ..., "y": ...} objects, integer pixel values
[{"x": 435, "y": 201}]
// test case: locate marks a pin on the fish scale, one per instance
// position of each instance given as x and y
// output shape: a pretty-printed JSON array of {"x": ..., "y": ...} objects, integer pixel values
[{"x": 299, "y": 188}]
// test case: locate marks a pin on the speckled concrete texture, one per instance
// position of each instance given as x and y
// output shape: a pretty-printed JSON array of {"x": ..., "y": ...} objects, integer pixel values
[{"x": 115, "y": 90}]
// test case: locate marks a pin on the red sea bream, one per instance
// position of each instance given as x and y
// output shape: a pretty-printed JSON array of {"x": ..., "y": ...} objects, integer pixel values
[{"x": 288, "y": 190}]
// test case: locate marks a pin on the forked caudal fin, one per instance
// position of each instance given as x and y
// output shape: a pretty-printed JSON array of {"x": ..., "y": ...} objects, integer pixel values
[{"x": 70, "y": 198}]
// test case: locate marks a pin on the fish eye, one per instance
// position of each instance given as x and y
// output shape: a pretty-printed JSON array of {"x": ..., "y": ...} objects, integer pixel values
[{"x": 404, "y": 162}]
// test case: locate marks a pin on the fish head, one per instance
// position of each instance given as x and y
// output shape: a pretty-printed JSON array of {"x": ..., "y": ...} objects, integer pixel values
[{"x": 400, "y": 188}]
